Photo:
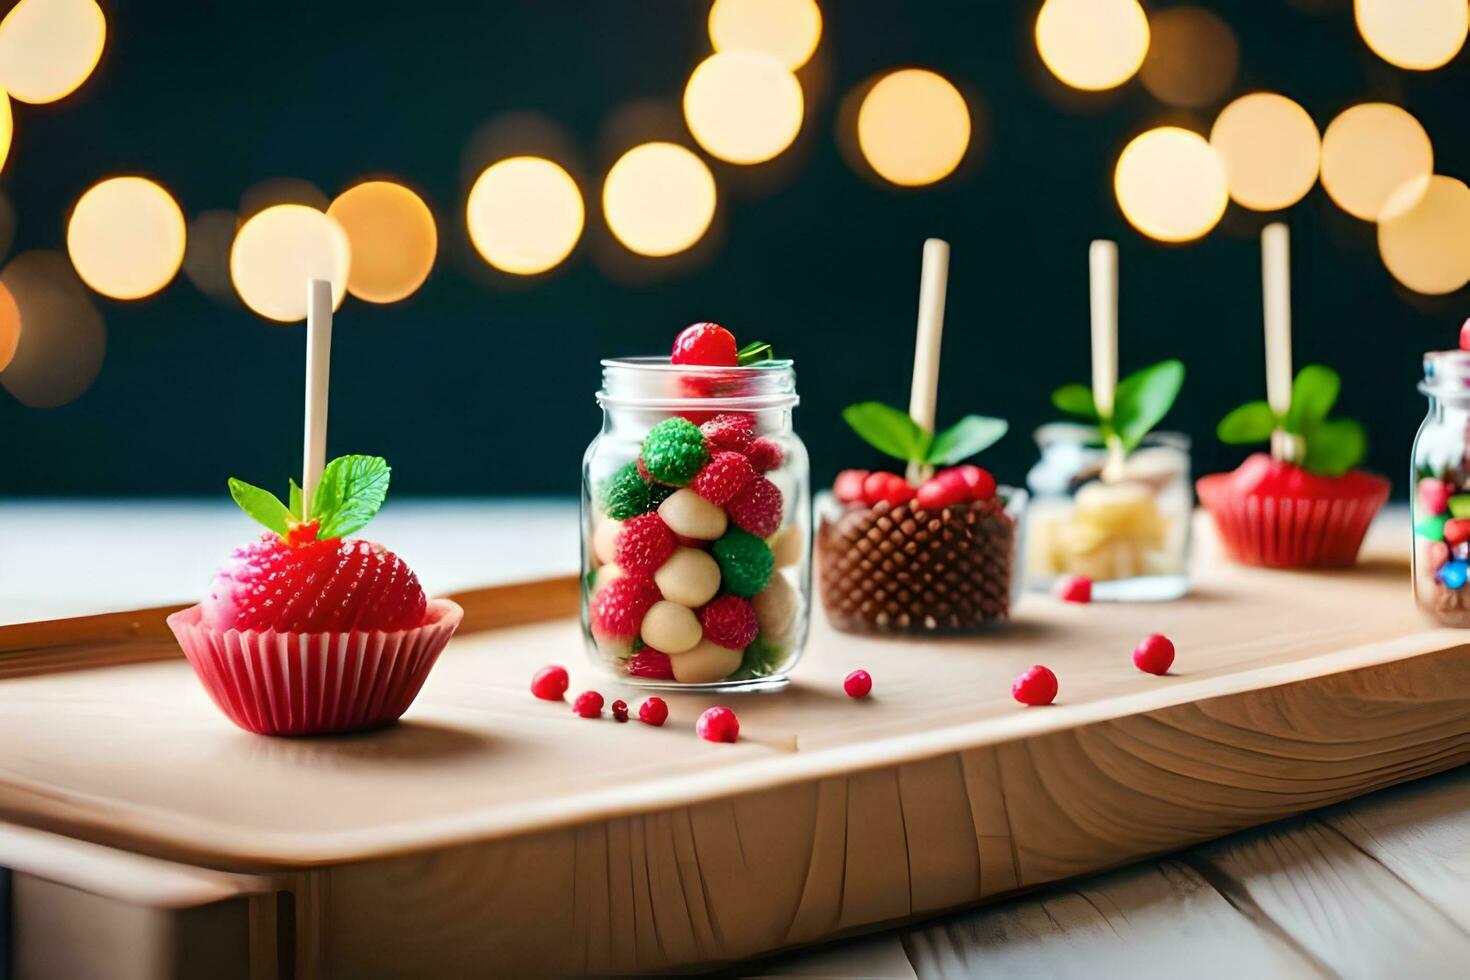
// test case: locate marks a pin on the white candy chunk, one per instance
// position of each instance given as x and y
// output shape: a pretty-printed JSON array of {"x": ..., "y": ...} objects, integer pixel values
[
  {"x": 690, "y": 577},
  {"x": 604, "y": 575},
  {"x": 605, "y": 539},
  {"x": 786, "y": 546},
  {"x": 689, "y": 514},
  {"x": 670, "y": 627},
  {"x": 613, "y": 647},
  {"x": 706, "y": 663},
  {"x": 776, "y": 609}
]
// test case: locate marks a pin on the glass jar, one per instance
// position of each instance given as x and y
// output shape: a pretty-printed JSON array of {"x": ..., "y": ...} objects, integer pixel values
[
  {"x": 1440, "y": 502},
  {"x": 1126, "y": 531},
  {"x": 696, "y": 526}
]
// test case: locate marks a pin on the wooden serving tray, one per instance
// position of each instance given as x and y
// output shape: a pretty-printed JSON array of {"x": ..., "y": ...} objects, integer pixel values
[{"x": 493, "y": 833}]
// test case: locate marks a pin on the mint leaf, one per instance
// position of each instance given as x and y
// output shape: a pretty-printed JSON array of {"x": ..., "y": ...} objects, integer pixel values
[
  {"x": 350, "y": 493},
  {"x": 295, "y": 501},
  {"x": 968, "y": 436},
  {"x": 754, "y": 352},
  {"x": 1313, "y": 394},
  {"x": 888, "y": 430},
  {"x": 264, "y": 506},
  {"x": 1143, "y": 399},
  {"x": 1335, "y": 447},
  {"x": 1251, "y": 422},
  {"x": 1075, "y": 400}
]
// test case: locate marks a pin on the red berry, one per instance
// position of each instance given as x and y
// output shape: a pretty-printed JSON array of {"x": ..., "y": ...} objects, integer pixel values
[
  {"x": 765, "y": 454},
  {"x": 718, "y": 724},
  {"x": 979, "y": 481},
  {"x": 651, "y": 664},
  {"x": 730, "y": 431},
  {"x": 653, "y": 712},
  {"x": 1074, "y": 588},
  {"x": 886, "y": 487},
  {"x": 707, "y": 344},
  {"x": 1154, "y": 654},
  {"x": 939, "y": 492},
  {"x": 1465, "y": 335},
  {"x": 848, "y": 487},
  {"x": 1456, "y": 531},
  {"x": 618, "y": 607},
  {"x": 588, "y": 705},
  {"x": 1036, "y": 685},
  {"x": 620, "y": 710},
  {"x": 729, "y": 621},
  {"x": 550, "y": 683},
  {"x": 725, "y": 475},
  {"x": 643, "y": 544},
  {"x": 857, "y": 684},
  {"x": 757, "y": 508}
]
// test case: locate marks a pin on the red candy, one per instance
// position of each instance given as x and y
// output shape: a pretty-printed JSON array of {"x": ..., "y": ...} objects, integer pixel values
[
  {"x": 729, "y": 431},
  {"x": 643, "y": 544},
  {"x": 765, "y": 454},
  {"x": 1036, "y": 685},
  {"x": 729, "y": 621},
  {"x": 550, "y": 683},
  {"x": 941, "y": 491},
  {"x": 1457, "y": 531},
  {"x": 725, "y": 475},
  {"x": 887, "y": 488},
  {"x": 857, "y": 684},
  {"x": 706, "y": 344},
  {"x": 1465, "y": 335},
  {"x": 848, "y": 487},
  {"x": 653, "y": 712},
  {"x": 718, "y": 724},
  {"x": 1074, "y": 588},
  {"x": 651, "y": 664},
  {"x": 757, "y": 508},
  {"x": 1154, "y": 654},
  {"x": 588, "y": 705},
  {"x": 979, "y": 481},
  {"x": 1434, "y": 496},
  {"x": 620, "y": 710},
  {"x": 1439, "y": 553},
  {"x": 618, "y": 607}
]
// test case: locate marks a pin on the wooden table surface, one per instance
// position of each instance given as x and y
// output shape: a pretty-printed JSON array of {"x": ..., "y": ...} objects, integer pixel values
[{"x": 1376, "y": 887}]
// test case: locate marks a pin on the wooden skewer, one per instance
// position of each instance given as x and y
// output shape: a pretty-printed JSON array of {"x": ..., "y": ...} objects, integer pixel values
[
  {"x": 1102, "y": 265},
  {"x": 1276, "y": 298},
  {"x": 924, "y": 392},
  {"x": 318, "y": 373}
]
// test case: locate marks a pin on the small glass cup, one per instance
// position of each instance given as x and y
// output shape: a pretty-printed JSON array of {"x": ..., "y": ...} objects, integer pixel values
[
  {"x": 769, "y": 572},
  {"x": 1128, "y": 532},
  {"x": 1440, "y": 503}
]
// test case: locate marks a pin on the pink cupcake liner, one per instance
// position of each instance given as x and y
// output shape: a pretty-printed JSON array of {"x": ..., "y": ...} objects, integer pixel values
[
  {"x": 1290, "y": 532},
  {"x": 275, "y": 683}
]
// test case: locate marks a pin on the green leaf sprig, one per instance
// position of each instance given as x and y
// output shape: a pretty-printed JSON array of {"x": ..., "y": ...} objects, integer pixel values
[
  {"x": 893, "y": 432},
  {"x": 1140, "y": 402},
  {"x": 1333, "y": 446},
  {"x": 753, "y": 353},
  {"x": 350, "y": 494}
]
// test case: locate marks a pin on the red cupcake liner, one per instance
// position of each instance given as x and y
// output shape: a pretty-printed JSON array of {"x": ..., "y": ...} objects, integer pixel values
[
  {"x": 1290, "y": 532},
  {"x": 275, "y": 683}
]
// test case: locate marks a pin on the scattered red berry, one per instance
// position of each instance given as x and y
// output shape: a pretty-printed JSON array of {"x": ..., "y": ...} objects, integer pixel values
[
  {"x": 848, "y": 487},
  {"x": 939, "y": 492},
  {"x": 887, "y": 488},
  {"x": 1036, "y": 685},
  {"x": 1154, "y": 654},
  {"x": 857, "y": 684},
  {"x": 651, "y": 664},
  {"x": 718, "y": 724},
  {"x": 729, "y": 431},
  {"x": 765, "y": 454},
  {"x": 588, "y": 705},
  {"x": 979, "y": 481},
  {"x": 618, "y": 607},
  {"x": 757, "y": 508},
  {"x": 1456, "y": 531},
  {"x": 1074, "y": 588},
  {"x": 644, "y": 543},
  {"x": 729, "y": 621},
  {"x": 1465, "y": 335},
  {"x": 653, "y": 712},
  {"x": 725, "y": 475},
  {"x": 706, "y": 344},
  {"x": 620, "y": 710},
  {"x": 550, "y": 683}
]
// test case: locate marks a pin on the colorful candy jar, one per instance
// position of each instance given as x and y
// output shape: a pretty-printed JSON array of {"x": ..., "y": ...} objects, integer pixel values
[
  {"x": 1441, "y": 497},
  {"x": 696, "y": 526},
  {"x": 1126, "y": 531}
]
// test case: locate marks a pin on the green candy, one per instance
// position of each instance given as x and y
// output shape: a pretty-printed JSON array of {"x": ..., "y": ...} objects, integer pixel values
[
  {"x": 745, "y": 562},
  {"x": 762, "y": 659},
  {"x": 1431, "y": 527},
  {"x": 624, "y": 494},
  {"x": 1460, "y": 505},
  {"x": 674, "y": 451}
]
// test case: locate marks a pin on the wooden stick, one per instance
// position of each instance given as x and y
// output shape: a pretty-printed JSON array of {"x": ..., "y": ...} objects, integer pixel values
[
  {"x": 924, "y": 392},
  {"x": 1102, "y": 267},
  {"x": 318, "y": 373},
  {"x": 1276, "y": 298}
]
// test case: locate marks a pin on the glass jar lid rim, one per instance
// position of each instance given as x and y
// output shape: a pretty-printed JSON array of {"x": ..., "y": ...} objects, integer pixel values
[{"x": 662, "y": 363}]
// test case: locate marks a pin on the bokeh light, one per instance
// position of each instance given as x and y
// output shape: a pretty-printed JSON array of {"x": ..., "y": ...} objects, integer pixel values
[
  {"x": 788, "y": 30},
  {"x": 9, "y": 327},
  {"x": 743, "y": 106},
  {"x": 49, "y": 47},
  {"x": 207, "y": 255},
  {"x": 1170, "y": 184},
  {"x": 1424, "y": 235},
  {"x": 658, "y": 199},
  {"x": 392, "y": 236},
  {"x": 1415, "y": 34},
  {"x": 278, "y": 251},
  {"x": 525, "y": 215},
  {"x": 126, "y": 237},
  {"x": 63, "y": 340},
  {"x": 280, "y": 190},
  {"x": 913, "y": 127},
  {"x": 1193, "y": 57},
  {"x": 1271, "y": 150},
  {"x": 1092, "y": 44},
  {"x": 1371, "y": 150},
  {"x": 7, "y": 128}
]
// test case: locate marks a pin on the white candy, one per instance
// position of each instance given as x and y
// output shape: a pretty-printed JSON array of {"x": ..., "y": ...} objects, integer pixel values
[
  {"x": 706, "y": 663},
  {"x": 776, "y": 609},
  {"x": 786, "y": 546},
  {"x": 606, "y": 574},
  {"x": 690, "y": 577},
  {"x": 670, "y": 627},
  {"x": 605, "y": 540},
  {"x": 689, "y": 514}
]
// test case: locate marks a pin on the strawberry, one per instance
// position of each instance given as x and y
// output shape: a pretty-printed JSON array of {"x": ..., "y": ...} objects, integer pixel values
[
  {"x": 644, "y": 543},
  {"x": 765, "y": 454},
  {"x": 725, "y": 475},
  {"x": 848, "y": 487},
  {"x": 729, "y": 621},
  {"x": 757, "y": 508},
  {"x": 729, "y": 430},
  {"x": 651, "y": 664},
  {"x": 618, "y": 607}
]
